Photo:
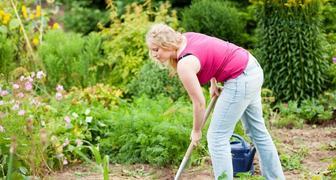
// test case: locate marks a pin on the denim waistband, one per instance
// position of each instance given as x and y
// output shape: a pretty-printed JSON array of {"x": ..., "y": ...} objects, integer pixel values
[{"x": 252, "y": 64}]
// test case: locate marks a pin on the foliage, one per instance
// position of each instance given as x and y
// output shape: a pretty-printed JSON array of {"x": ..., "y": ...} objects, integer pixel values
[
  {"x": 153, "y": 81},
  {"x": 291, "y": 43},
  {"x": 142, "y": 132},
  {"x": 293, "y": 161},
  {"x": 81, "y": 17},
  {"x": 332, "y": 76},
  {"x": 125, "y": 43},
  {"x": 220, "y": 19},
  {"x": 7, "y": 53},
  {"x": 71, "y": 59}
]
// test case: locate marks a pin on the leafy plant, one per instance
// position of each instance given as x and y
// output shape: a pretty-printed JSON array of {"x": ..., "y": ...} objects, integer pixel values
[
  {"x": 153, "y": 81},
  {"x": 125, "y": 45},
  {"x": 223, "y": 21},
  {"x": 291, "y": 43},
  {"x": 293, "y": 161}
]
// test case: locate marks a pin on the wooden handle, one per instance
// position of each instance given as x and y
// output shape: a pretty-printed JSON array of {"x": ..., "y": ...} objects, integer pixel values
[{"x": 191, "y": 146}]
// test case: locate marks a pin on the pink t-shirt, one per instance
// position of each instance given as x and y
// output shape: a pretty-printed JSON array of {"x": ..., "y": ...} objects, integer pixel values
[{"x": 218, "y": 58}]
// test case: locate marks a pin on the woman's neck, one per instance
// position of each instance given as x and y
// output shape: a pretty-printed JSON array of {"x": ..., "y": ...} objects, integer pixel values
[{"x": 182, "y": 46}]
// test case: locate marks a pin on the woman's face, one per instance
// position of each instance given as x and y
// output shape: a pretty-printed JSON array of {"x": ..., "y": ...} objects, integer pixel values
[{"x": 161, "y": 54}]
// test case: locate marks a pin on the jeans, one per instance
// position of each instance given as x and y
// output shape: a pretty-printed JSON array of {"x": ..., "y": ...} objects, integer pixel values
[{"x": 241, "y": 98}]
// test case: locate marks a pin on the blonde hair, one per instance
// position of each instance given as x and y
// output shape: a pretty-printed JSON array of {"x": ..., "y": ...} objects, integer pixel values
[{"x": 166, "y": 37}]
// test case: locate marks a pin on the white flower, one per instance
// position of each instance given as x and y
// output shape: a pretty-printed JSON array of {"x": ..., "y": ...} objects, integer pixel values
[
  {"x": 87, "y": 111},
  {"x": 67, "y": 119},
  {"x": 16, "y": 107},
  {"x": 88, "y": 119},
  {"x": 75, "y": 115},
  {"x": 59, "y": 88},
  {"x": 58, "y": 96},
  {"x": 2, "y": 129},
  {"x": 40, "y": 75},
  {"x": 1, "y": 103}
]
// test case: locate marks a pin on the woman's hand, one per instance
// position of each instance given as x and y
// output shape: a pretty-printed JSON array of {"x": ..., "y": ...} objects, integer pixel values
[
  {"x": 195, "y": 137},
  {"x": 214, "y": 90}
]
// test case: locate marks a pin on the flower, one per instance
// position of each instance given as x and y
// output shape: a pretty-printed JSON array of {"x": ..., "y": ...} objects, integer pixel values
[
  {"x": 38, "y": 11},
  {"x": 66, "y": 142},
  {"x": 28, "y": 86},
  {"x": 334, "y": 59},
  {"x": 24, "y": 12},
  {"x": 21, "y": 112},
  {"x": 58, "y": 96},
  {"x": 67, "y": 119},
  {"x": 79, "y": 142},
  {"x": 87, "y": 111},
  {"x": 65, "y": 162},
  {"x": 2, "y": 129},
  {"x": 22, "y": 78},
  {"x": 1, "y": 103},
  {"x": 16, "y": 107},
  {"x": 40, "y": 75},
  {"x": 3, "y": 93},
  {"x": 55, "y": 26},
  {"x": 16, "y": 86},
  {"x": 59, "y": 88},
  {"x": 36, "y": 41},
  {"x": 88, "y": 119},
  {"x": 20, "y": 95}
]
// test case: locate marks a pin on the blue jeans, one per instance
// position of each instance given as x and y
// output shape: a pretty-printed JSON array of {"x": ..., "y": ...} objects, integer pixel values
[{"x": 241, "y": 98}]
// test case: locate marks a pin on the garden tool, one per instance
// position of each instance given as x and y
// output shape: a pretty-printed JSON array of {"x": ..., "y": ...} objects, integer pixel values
[{"x": 191, "y": 146}]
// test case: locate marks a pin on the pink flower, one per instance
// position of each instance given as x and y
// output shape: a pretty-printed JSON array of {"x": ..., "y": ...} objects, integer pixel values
[
  {"x": 2, "y": 129},
  {"x": 59, "y": 88},
  {"x": 58, "y": 96},
  {"x": 3, "y": 93},
  {"x": 28, "y": 86},
  {"x": 66, "y": 142},
  {"x": 21, "y": 112},
  {"x": 16, "y": 86},
  {"x": 30, "y": 79},
  {"x": 40, "y": 75},
  {"x": 20, "y": 95},
  {"x": 334, "y": 59},
  {"x": 67, "y": 119}
]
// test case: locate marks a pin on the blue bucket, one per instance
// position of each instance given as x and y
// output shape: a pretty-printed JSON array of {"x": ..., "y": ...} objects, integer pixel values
[{"x": 242, "y": 155}]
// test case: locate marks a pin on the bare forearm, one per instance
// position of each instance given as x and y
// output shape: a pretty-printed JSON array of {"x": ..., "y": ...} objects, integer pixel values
[{"x": 199, "y": 111}]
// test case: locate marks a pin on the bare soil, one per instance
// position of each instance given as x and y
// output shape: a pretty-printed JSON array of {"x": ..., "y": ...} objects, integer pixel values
[{"x": 317, "y": 141}]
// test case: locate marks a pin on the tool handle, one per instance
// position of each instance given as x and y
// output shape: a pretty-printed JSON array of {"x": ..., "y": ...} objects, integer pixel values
[{"x": 191, "y": 146}]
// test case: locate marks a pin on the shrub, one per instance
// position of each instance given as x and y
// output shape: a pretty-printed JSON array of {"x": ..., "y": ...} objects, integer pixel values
[
  {"x": 291, "y": 43},
  {"x": 125, "y": 45},
  {"x": 81, "y": 17},
  {"x": 154, "y": 131},
  {"x": 7, "y": 54},
  {"x": 153, "y": 81},
  {"x": 71, "y": 59},
  {"x": 215, "y": 18}
]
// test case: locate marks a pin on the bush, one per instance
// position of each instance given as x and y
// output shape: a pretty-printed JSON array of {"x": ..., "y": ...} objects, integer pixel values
[
  {"x": 154, "y": 131},
  {"x": 153, "y": 81},
  {"x": 125, "y": 45},
  {"x": 70, "y": 59},
  {"x": 81, "y": 17},
  {"x": 291, "y": 43},
  {"x": 7, "y": 54},
  {"x": 215, "y": 18}
]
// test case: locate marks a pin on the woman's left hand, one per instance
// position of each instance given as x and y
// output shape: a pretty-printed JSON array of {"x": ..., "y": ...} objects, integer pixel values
[{"x": 196, "y": 137}]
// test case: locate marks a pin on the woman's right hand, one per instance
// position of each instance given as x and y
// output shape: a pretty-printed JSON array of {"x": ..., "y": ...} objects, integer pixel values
[{"x": 214, "y": 90}]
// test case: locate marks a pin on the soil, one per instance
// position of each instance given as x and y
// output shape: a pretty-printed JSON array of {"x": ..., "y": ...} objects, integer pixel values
[{"x": 317, "y": 142}]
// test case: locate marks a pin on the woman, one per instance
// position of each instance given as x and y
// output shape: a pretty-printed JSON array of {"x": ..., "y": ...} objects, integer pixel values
[{"x": 198, "y": 59}]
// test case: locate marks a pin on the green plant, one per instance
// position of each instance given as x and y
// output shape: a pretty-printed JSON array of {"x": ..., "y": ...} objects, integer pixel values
[
  {"x": 153, "y": 81},
  {"x": 291, "y": 43},
  {"x": 154, "y": 131},
  {"x": 313, "y": 112},
  {"x": 71, "y": 59},
  {"x": 81, "y": 17},
  {"x": 293, "y": 161},
  {"x": 222, "y": 20},
  {"x": 125, "y": 45}
]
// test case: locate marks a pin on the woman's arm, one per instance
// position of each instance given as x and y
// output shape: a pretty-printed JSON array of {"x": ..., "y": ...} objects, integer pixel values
[{"x": 187, "y": 68}]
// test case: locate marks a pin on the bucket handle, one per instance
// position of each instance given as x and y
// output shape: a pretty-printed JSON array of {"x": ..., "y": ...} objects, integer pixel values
[{"x": 240, "y": 140}]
